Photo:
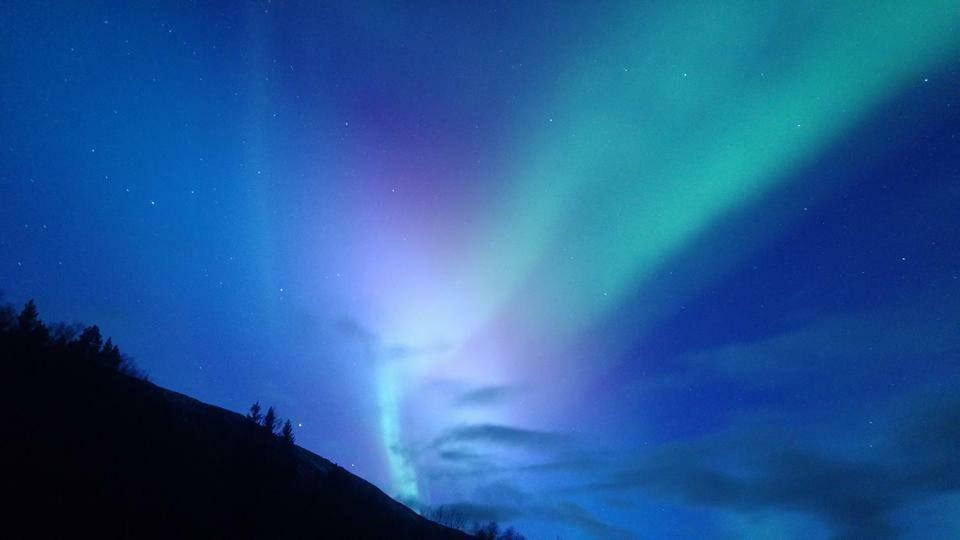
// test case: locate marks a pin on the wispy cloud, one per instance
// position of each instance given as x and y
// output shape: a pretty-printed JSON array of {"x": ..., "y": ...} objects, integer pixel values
[
  {"x": 461, "y": 456},
  {"x": 369, "y": 339},
  {"x": 564, "y": 512},
  {"x": 522, "y": 505},
  {"x": 487, "y": 395},
  {"x": 495, "y": 434},
  {"x": 855, "y": 497},
  {"x": 840, "y": 345}
]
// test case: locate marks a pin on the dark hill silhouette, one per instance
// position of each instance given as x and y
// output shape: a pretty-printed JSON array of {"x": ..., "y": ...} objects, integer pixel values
[{"x": 93, "y": 450}]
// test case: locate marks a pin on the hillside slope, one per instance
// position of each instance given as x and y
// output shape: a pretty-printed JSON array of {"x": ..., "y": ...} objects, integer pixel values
[{"x": 89, "y": 451}]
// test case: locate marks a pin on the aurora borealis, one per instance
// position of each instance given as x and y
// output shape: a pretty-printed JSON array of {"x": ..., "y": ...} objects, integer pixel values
[{"x": 636, "y": 270}]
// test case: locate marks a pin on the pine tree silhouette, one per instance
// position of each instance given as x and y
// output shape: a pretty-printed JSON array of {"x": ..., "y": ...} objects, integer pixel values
[
  {"x": 29, "y": 324},
  {"x": 270, "y": 421},
  {"x": 286, "y": 432},
  {"x": 110, "y": 355},
  {"x": 255, "y": 415},
  {"x": 29, "y": 318},
  {"x": 90, "y": 342}
]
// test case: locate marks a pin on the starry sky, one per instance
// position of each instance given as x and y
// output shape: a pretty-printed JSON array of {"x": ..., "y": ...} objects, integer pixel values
[{"x": 592, "y": 269}]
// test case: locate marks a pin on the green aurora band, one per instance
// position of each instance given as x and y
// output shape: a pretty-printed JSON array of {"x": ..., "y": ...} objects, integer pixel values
[
  {"x": 650, "y": 144},
  {"x": 678, "y": 117}
]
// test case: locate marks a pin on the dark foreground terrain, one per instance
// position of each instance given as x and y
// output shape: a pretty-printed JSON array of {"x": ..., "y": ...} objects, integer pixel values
[{"x": 92, "y": 450}]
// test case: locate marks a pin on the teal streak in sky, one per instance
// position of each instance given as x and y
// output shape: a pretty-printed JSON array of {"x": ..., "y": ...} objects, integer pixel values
[
  {"x": 402, "y": 472},
  {"x": 679, "y": 117}
]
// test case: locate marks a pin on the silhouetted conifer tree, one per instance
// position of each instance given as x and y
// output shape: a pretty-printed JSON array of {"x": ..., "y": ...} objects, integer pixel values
[
  {"x": 110, "y": 355},
  {"x": 29, "y": 324},
  {"x": 90, "y": 342},
  {"x": 29, "y": 318},
  {"x": 511, "y": 534},
  {"x": 286, "y": 432},
  {"x": 270, "y": 421},
  {"x": 255, "y": 415},
  {"x": 490, "y": 531}
]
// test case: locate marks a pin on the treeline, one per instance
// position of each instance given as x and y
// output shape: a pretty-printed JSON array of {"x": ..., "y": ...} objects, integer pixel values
[
  {"x": 93, "y": 449},
  {"x": 452, "y": 517},
  {"x": 269, "y": 422},
  {"x": 89, "y": 413},
  {"x": 114, "y": 456},
  {"x": 24, "y": 333}
]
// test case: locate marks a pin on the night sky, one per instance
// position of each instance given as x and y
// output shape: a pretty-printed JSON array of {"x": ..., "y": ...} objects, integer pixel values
[{"x": 592, "y": 269}]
